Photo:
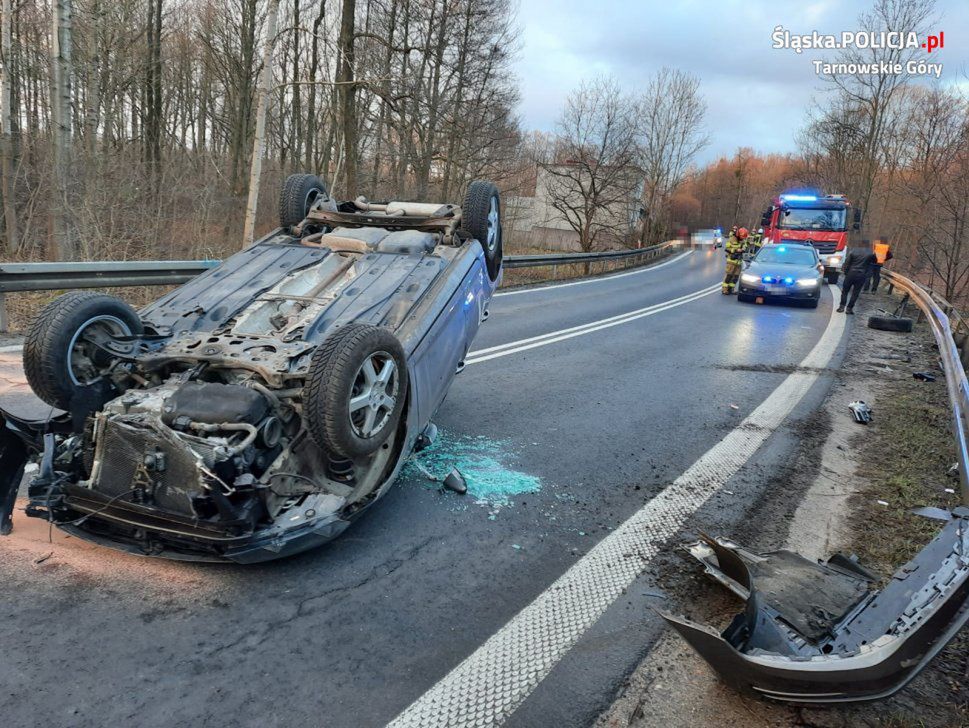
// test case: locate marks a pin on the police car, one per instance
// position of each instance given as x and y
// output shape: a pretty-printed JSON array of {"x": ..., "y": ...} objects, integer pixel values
[{"x": 790, "y": 272}]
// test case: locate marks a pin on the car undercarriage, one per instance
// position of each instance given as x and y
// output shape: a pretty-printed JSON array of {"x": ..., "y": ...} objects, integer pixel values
[{"x": 260, "y": 408}]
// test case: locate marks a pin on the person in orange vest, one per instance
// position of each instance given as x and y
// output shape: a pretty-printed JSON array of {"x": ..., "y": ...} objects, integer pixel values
[{"x": 883, "y": 254}]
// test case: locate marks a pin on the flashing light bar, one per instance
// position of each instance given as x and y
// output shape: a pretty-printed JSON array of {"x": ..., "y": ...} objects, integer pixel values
[{"x": 799, "y": 198}]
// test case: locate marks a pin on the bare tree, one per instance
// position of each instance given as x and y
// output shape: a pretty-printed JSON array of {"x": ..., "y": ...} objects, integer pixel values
[
  {"x": 858, "y": 119},
  {"x": 8, "y": 187},
  {"x": 404, "y": 97},
  {"x": 937, "y": 185},
  {"x": 346, "y": 95},
  {"x": 590, "y": 182},
  {"x": 259, "y": 138},
  {"x": 670, "y": 117},
  {"x": 62, "y": 126}
]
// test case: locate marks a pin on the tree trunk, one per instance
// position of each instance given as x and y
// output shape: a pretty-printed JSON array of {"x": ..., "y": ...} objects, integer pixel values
[
  {"x": 153, "y": 94},
  {"x": 312, "y": 123},
  {"x": 346, "y": 95},
  {"x": 6, "y": 135},
  {"x": 62, "y": 224},
  {"x": 259, "y": 140}
]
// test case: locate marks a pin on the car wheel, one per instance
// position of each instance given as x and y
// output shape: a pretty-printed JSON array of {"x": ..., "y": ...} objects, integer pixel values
[
  {"x": 297, "y": 196},
  {"x": 481, "y": 216},
  {"x": 744, "y": 298},
  {"x": 890, "y": 323},
  {"x": 355, "y": 390},
  {"x": 832, "y": 277},
  {"x": 61, "y": 348},
  {"x": 813, "y": 303}
]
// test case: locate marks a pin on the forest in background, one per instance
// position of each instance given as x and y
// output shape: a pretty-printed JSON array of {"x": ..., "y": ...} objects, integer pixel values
[
  {"x": 402, "y": 98},
  {"x": 127, "y": 129}
]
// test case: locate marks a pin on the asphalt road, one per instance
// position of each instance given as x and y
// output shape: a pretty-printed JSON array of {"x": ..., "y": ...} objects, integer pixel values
[{"x": 590, "y": 399}]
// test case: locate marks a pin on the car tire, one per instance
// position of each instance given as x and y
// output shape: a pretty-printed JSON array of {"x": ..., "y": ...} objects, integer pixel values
[
  {"x": 56, "y": 336},
  {"x": 481, "y": 217},
  {"x": 298, "y": 194},
  {"x": 744, "y": 298},
  {"x": 890, "y": 323},
  {"x": 338, "y": 375},
  {"x": 832, "y": 278},
  {"x": 813, "y": 303}
]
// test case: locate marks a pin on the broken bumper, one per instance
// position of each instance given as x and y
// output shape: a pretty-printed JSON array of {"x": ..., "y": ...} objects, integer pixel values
[{"x": 819, "y": 633}]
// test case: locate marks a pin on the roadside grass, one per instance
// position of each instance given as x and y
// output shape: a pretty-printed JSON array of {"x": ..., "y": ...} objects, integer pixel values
[
  {"x": 906, "y": 454},
  {"x": 906, "y": 457}
]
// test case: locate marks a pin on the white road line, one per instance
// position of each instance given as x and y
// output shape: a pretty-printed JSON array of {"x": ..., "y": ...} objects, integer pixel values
[
  {"x": 598, "y": 279},
  {"x": 551, "y": 337},
  {"x": 15, "y": 347},
  {"x": 493, "y": 681}
]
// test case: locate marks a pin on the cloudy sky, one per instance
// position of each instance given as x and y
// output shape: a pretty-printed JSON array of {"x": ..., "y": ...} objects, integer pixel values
[{"x": 756, "y": 95}]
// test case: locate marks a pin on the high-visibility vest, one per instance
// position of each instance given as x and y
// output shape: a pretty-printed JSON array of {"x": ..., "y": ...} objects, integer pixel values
[{"x": 881, "y": 252}]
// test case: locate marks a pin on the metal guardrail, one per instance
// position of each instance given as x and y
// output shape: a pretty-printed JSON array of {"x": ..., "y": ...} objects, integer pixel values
[
  {"x": 16, "y": 277},
  {"x": 533, "y": 261},
  {"x": 938, "y": 313},
  {"x": 19, "y": 277}
]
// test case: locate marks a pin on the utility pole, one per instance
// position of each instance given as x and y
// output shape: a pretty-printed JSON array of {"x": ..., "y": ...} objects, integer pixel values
[
  {"x": 259, "y": 141},
  {"x": 61, "y": 111}
]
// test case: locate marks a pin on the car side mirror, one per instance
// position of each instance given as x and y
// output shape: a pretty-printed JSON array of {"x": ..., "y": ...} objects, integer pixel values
[
  {"x": 857, "y": 224},
  {"x": 765, "y": 220}
]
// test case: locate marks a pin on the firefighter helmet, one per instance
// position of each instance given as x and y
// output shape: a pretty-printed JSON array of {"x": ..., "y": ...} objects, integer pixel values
[{"x": 742, "y": 233}]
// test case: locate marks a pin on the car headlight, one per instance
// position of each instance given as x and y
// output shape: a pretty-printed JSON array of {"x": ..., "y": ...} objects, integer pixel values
[
  {"x": 807, "y": 282},
  {"x": 749, "y": 278},
  {"x": 834, "y": 260}
]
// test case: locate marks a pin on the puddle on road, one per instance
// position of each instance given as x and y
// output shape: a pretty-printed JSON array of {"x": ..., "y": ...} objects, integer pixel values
[{"x": 482, "y": 461}]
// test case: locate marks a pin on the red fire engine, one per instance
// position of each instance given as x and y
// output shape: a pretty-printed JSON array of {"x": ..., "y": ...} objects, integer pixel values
[{"x": 822, "y": 220}]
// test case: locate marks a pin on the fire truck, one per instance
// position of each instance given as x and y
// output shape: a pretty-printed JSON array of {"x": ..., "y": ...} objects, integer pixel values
[{"x": 821, "y": 220}]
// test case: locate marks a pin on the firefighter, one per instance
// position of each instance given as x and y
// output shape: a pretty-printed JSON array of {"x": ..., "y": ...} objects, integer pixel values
[
  {"x": 736, "y": 245},
  {"x": 756, "y": 241}
]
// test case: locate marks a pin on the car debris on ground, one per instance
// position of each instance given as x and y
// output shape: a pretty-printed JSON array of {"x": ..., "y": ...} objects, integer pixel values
[
  {"x": 820, "y": 632},
  {"x": 861, "y": 412}
]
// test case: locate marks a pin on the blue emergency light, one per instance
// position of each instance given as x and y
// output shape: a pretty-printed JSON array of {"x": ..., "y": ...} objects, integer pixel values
[{"x": 799, "y": 198}]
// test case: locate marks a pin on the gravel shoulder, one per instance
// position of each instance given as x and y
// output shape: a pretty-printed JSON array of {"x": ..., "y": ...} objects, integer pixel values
[{"x": 849, "y": 488}]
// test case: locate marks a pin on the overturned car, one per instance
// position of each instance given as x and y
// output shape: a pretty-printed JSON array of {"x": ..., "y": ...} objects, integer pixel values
[{"x": 257, "y": 410}]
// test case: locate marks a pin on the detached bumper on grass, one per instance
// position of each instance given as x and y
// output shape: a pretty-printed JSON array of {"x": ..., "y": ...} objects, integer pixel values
[{"x": 820, "y": 632}]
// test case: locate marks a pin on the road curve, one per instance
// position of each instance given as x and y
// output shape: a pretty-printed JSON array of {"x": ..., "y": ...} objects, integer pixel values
[{"x": 635, "y": 378}]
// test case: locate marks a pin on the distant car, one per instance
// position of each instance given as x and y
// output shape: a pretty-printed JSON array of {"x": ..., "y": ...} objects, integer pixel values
[
  {"x": 789, "y": 272},
  {"x": 707, "y": 237},
  {"x": 257, "y": 410}
]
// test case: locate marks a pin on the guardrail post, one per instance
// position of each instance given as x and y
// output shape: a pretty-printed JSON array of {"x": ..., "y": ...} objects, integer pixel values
[
  {"x": 962, "y": 343},
  {"x": 4, "y": 323}
]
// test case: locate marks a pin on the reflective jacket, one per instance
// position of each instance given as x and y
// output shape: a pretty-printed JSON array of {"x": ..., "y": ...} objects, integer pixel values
[
  {"x": 882, "y": 253},
  {"x": 735, "y": 248}
]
